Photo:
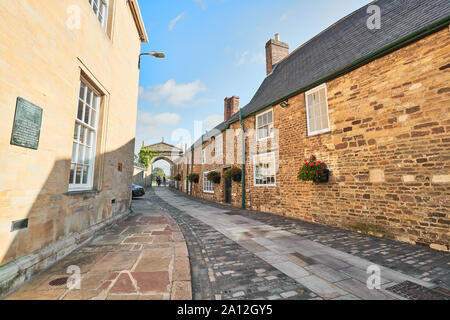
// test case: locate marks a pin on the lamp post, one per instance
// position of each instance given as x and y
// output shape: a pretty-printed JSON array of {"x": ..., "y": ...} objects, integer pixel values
[{"x": 153, "y": 53}]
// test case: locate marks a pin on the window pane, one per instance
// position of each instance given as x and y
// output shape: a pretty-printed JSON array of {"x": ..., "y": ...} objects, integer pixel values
[
  {"x": 310, "y": 99},
  {"x": 80, "y": 154},
  {"x": 75, "y": 132},
  {"x": 259, "y": 121},
  {"x": 80, "y": 110},
  {"x": 96, "y": 102},
  {"x": 85, "y": 174},
  {"x": 270, "y": 117},
  {"x": 93, "y": 115},
  {"x": 322, "y": 95},
  {"x": 86, "y": 114},
  {"x": 72, "y": 173},
  {"x": 89, "y": 97},
  {"x": 82, "y": 91},
  {"x": 74, "y": 152},
  {"x": 78, "y": 175},
  {"x": 323, "y": 108},
  {"x": 87, "y": 155},
  {"x": 83, "y": 135},
  {"x": 90, "y": 138}
]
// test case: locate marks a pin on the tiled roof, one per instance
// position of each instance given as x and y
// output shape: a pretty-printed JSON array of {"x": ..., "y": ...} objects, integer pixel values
[{"x": 341, "y": 45}]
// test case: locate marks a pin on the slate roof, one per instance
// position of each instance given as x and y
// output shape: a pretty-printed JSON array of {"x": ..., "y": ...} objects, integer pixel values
[{"x": 339, "y": 46}]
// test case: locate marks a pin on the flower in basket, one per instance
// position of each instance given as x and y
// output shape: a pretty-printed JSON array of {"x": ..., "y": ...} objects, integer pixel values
[
  {"x": 194, "y": 177},
  {"x": 234, "y": 173},
  {"x": 314, "y": 170},
  {"x": 213, "y": 176},
  {"x": 177, "y": 177}
]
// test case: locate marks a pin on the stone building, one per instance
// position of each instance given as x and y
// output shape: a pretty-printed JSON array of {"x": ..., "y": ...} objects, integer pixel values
[
  {"x": 373, "y": 104},
  {"x": 68, "y": 99}
]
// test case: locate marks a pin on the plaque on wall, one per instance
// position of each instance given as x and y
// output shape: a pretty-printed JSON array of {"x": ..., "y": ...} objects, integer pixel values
[{"x": 27, "y": 125}]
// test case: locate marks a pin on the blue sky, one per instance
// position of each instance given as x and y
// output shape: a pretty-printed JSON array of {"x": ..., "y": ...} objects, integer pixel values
[{"x": 215, "y": 49}]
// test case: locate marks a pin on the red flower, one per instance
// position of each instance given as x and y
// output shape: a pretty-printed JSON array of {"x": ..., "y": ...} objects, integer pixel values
[
  {"x": 311, "y": 164},
  {"x": 313, "y": 156}
]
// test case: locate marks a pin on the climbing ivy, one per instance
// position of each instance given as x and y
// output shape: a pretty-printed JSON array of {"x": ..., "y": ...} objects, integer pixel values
[{"x": 146, "y": 155}]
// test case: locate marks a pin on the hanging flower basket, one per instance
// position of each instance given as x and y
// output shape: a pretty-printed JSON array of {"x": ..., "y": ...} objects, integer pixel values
[
  {"x": 234, "y": 173},
  {"x": 213, "y": 176},
  {"x": 177, "y": 177},
  {"x": 314, "y": 170},
  {"x": 193, "y": 177}
]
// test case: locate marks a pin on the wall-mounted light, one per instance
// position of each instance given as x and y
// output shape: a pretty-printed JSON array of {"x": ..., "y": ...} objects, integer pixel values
[
  {"x": 285, "y": 103},
  {"x": 153, "y": 53}
]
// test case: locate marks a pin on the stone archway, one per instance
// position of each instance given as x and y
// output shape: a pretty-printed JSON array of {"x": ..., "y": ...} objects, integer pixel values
[{"x": 166, "y": 152}]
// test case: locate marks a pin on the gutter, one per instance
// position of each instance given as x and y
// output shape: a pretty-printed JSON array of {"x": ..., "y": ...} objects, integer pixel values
[
  {"x": 136, "y": 12},
  {"x": 243, "y": 159},
  {"x": 413, "y": 37}
]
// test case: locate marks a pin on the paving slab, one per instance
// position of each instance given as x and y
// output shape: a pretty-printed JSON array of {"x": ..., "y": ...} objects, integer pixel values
[{"x": 136, "y": 259}]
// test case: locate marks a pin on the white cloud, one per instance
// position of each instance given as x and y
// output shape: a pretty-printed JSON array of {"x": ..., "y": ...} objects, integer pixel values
[
  {"x": 212, "y": 121},
  {"x": 201, "y": 3},
  {"x": 247, "y": 57},
  {"x": 284, "y": 16},
  {"x": 172, "y": 93},
  {"x": 174, "y": 21},
  {"x": 258, "y": 58},
  {"x": 157, "y": 120},
  {"x": 241, "y": 58},
  {"x": 154, "y": 126}
]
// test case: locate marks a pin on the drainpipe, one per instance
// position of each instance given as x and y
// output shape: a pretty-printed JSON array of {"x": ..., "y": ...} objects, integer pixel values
[
  {"x": 243, "y": 158},
  {"x": 192, "y": 170}
]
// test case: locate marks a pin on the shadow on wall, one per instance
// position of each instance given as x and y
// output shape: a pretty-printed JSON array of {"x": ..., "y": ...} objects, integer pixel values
[{"x": 59, "y": 221}]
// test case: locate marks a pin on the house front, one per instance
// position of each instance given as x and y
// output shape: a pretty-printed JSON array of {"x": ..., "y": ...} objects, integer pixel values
[
  {"x": 372, "y": 104},
  {"x": 68, "y": 98}
]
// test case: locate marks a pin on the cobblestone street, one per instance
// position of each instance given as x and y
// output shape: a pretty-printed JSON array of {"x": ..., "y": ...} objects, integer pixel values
[
  {"x": 239, "y": 254},
  {"x": 177, "y": 247}
]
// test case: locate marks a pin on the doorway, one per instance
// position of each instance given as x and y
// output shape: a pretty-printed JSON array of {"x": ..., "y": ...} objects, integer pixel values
[{"x": 227, "y": 190}]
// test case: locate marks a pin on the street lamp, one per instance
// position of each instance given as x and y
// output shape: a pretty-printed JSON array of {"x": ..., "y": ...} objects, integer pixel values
[{"x": 153, "y": 53}]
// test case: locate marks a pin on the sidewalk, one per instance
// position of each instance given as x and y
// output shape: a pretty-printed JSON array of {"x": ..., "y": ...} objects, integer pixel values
[{"x": 142, "y": 258}]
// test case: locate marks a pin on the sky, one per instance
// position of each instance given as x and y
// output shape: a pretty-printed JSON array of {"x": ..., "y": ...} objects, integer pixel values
[{"x": 215, "y": 49}]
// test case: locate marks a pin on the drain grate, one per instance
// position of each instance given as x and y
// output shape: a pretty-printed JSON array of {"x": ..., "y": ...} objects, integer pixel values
[
  {"x": 414, "y": 291},
  {"x": 232, "y": 213},
  {"x": 58, "y": 282}
]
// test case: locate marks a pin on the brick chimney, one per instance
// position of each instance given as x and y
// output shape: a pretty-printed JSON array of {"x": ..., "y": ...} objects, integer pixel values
[
  {"x": 231, "y": 106},
  {"x": 275, "y": 52}
]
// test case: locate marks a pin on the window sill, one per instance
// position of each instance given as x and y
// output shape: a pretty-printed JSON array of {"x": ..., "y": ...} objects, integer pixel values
[
  {"x": 210, "y": 192},
  {"x": 264, "y": 185},
  {"x": 81, "y": 192},
  {"x": 318, "y": 133}
]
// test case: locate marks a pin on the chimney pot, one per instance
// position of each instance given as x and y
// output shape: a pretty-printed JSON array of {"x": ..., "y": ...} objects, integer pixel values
[{"x": 277, "y": 37}]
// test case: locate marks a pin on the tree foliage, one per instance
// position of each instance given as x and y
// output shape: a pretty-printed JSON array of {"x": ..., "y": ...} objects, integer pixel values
[
  {"x": 157, "y": 172},
  {"x": 146, "y": 155}
]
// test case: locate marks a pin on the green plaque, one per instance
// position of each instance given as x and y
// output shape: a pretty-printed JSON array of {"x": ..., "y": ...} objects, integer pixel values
[{"x": 27, "y": 125}]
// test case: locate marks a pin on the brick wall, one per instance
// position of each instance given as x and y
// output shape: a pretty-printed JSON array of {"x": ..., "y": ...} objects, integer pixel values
[{"x": 388, "y": 150}]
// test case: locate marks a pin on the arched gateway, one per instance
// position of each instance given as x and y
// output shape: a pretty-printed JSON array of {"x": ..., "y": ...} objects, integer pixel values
[{"x": 164, "y": 151}]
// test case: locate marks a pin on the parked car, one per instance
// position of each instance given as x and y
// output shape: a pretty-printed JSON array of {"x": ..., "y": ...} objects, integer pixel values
[{"x": 137, "y": 191}]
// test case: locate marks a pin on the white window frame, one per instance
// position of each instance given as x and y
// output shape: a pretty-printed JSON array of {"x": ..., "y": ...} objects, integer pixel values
[
  {"x": 204, "y": 155},
  {"x": 317, "y": 89},
  {"x": 269, "y": 124},
  {"x": 95, "y": 104},
  {"x": 206, "y": 182},
  {"x": 272, "y": 154},
  {"x": 99, "y": 14}
]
